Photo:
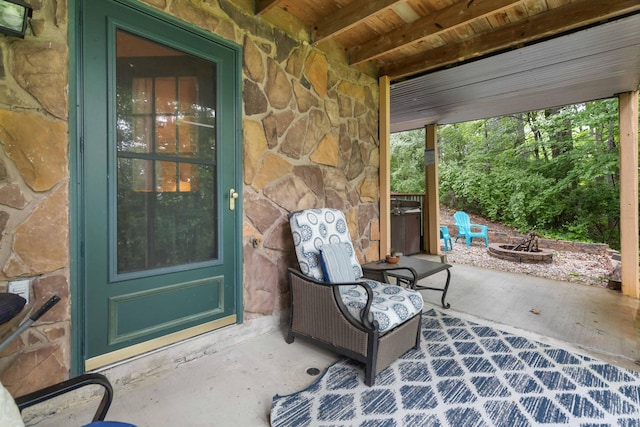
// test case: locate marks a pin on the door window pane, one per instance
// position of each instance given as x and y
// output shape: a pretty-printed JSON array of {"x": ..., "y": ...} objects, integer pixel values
[{"x": 166, "y": 156}]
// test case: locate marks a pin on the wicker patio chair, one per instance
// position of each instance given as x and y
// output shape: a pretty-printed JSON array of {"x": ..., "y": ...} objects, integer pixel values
[{"x": 332, "y": 304}]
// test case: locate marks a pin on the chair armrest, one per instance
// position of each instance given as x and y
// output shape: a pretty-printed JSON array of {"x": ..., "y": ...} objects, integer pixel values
[
  {"x": 368, "y": 324},
  {"x": 68, "y": 386}
]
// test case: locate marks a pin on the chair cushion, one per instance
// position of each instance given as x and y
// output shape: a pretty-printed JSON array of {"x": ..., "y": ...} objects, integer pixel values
[
  {"x": 9, "y": 412},
  {"x": 10, "y": 306},
  {"x": 336, "y": 263},
  {"x": 392, "y": 305},
  {"x": 314, "y": 228}
]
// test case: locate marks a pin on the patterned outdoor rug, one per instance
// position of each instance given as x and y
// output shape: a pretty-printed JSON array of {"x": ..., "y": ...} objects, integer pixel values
[{"x": 467, "y": 374}]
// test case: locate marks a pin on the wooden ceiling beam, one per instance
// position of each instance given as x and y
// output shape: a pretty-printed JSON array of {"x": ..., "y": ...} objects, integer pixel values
[
  {"x": 263, "y": 6},
  {"x": 449, "y": 18},
  {"x": 349, "y": 16},
  {"x": 566, "y": 18}
]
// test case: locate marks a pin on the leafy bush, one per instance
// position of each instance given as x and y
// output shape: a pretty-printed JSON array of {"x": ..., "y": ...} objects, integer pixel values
[{"x": 556, "y": 170}]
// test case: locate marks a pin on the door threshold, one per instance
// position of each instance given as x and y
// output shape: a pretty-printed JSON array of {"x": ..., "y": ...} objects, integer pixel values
[{"x": 124, "y": 354}]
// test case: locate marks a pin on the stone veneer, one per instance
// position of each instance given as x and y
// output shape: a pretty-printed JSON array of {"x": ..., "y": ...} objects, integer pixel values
[
  {"x": 34, "y": 194},
  {"x": 310, "y": 139}
]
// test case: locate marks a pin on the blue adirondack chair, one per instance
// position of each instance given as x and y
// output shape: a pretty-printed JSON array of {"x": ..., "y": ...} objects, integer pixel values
[
  {"x": 468, "y": 230},
  {"x": 446, "y": 238}
]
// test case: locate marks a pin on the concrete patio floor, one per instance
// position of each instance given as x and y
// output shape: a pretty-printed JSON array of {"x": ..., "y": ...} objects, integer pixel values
[{"x": 234, "y": 387}]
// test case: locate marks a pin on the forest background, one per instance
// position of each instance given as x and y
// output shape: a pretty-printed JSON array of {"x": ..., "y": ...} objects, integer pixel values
[{"x": 556, "y": 171}]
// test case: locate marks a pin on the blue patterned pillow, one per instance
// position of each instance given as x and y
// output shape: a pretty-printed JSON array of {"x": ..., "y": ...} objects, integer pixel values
[{"x": 336, "y": 263}]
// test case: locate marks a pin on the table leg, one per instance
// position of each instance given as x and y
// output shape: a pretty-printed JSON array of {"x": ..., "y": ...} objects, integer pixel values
[{"x": 444, "y": 290}]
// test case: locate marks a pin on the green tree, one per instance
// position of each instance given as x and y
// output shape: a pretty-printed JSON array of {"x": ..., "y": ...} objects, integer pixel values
[
  {"x": 556, "y": 170},
  {"x": 407, "y": 162}
]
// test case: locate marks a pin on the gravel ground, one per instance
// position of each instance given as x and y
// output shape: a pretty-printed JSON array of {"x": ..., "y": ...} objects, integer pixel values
[{"x": 577, "y": 267}]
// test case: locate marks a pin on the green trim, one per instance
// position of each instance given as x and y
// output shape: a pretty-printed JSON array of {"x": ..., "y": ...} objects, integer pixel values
[
  {"x": 76, "y": 294},
  {"x": 120, "y": 307},
  {"x": 239, "y": 188},
  {"x": 76, "y": 224},
  {"x": 159, "y": 14}
]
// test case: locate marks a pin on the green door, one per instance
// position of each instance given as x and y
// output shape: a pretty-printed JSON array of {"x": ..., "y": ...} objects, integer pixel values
[{"x": 159, "y": 167}]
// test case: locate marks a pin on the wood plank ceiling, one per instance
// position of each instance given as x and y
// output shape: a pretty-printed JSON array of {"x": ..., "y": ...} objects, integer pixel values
[{"x": 406, "y": 39}]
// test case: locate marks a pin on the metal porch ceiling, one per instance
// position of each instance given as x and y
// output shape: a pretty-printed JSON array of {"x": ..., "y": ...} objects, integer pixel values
[{"x": 595, "y": 63}]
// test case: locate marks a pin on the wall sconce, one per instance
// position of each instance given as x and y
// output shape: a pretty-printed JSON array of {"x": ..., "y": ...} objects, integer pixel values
[
  {"x": 429, "y": 157},
  {"x": 14, "y": 17}
]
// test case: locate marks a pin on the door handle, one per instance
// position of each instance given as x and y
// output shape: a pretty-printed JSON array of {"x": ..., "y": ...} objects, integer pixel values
[{"x": 233, "y": 195}]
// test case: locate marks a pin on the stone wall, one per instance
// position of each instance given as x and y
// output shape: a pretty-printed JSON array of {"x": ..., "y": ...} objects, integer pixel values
[
  {"x": 34, "y": 194},
  {"x": 310, "y": 139}
]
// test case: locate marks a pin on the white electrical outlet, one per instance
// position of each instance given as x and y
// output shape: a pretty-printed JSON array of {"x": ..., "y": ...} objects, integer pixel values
[{"x": 20, "y": 287}]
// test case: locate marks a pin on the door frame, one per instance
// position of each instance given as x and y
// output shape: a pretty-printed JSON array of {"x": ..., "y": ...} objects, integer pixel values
[{"x": 76, "y": 223}]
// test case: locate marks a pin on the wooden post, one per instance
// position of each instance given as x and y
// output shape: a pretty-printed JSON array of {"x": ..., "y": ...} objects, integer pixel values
[
  {"x": 385, "y": 165},
  {"x": 431, "y": 208},
  {"x": 629, "y": 192}
]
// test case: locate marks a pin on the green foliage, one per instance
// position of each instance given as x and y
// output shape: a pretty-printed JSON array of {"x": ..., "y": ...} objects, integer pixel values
[
  {"x": 407, "y": 162},
  {"x": 556, "y": 170}
]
